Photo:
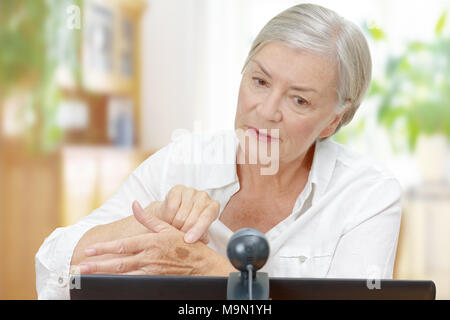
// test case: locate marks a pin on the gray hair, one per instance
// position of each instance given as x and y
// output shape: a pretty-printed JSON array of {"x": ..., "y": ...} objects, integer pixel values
[{"x": 321, "y": 30}]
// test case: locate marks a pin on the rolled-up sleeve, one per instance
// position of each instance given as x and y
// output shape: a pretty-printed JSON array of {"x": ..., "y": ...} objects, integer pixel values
[
  {"x": 52, "y": 261},
  {"x": 368, "y": 246}
]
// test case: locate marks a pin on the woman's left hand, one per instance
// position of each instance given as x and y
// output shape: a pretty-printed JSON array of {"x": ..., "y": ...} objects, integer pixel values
[{"x": 163, "y": 252}]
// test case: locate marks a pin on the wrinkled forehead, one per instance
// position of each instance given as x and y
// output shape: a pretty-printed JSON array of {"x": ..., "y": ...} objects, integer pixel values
[{"x": 294, "y": 65}]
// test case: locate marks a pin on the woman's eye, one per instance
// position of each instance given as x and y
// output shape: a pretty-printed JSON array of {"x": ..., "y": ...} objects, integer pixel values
[
  {"x": 260, "y": 82},
  {"x": 300, "y": 101}
]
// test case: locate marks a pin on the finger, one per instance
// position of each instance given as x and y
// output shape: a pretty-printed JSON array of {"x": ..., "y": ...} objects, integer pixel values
[
  {"x": 171, "y": 204},
  {"x": 75, "y": 270},
  {"x": 192, "y": 219},
  {"x": 187, "y": 203},
  {"x": 205, "y": 238},
  {"x": 150, "y": 221},
  {"x": 153, "y": 209},
  {"x": 207, "y": 217},
  {"x": 135, "y": 273},
  {"x": 201, "y": 201},
  {"x": 111, "y": 266},
  {"x": 122, "y": 246}
]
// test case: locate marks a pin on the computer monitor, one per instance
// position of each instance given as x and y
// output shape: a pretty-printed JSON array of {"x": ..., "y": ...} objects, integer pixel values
[{"x": 111, "y": 287}]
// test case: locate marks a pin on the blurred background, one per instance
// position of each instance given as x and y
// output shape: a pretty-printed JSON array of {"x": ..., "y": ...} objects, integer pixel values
[{"x": 91, "y": 88}]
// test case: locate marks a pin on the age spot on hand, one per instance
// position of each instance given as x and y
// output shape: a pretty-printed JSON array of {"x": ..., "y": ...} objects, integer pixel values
[{"x": 182, "y": 253}]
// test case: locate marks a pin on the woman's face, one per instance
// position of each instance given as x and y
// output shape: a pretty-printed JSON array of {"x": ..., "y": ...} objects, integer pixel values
[{"x": 291, "y": 90}]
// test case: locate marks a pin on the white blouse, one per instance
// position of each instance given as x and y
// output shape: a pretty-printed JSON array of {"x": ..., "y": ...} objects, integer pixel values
[{"x": 344, "y": 224}]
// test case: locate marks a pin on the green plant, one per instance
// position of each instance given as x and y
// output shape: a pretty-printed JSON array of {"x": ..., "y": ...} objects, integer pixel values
[
  {"x": 22, "y": 36},
  {"x": 413, "y": 95},
  {"x": 30, "y": 35}
]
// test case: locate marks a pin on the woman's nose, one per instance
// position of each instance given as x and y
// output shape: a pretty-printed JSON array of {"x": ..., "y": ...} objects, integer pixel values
[{"x": 269, "y": 109}]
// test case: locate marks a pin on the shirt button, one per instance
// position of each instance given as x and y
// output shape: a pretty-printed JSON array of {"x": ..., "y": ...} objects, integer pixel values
[
  {"x": 62, "y": 282},
  {"x": 302, "y": 258}
]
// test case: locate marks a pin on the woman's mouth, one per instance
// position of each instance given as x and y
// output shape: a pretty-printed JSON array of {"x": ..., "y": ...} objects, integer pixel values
[{"x": 262, "y": 135}]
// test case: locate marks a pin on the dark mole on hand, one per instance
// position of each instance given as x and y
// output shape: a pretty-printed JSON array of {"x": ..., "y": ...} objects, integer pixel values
[{"x": 182, "y": 253}]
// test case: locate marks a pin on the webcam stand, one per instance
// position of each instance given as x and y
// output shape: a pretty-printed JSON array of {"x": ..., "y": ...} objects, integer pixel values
[{"x": 241, "y": 286}]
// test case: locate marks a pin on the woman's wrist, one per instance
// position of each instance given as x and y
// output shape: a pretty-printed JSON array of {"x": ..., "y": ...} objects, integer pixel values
[{"x": 217, "y": 266}]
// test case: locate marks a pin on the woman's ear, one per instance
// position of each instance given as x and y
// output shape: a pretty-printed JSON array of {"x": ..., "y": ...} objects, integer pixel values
[{"x": 331, "y": 128}]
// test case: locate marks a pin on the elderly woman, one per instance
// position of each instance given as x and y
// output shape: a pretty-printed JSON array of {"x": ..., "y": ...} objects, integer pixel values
[{"x": 326, "y": 211}]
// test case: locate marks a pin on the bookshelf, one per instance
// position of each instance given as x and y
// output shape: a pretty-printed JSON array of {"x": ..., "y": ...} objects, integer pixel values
[{"x": 98, "y": 111}]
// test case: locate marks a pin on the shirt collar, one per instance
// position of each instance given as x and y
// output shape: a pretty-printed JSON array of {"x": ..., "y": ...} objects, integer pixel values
[
  {"x": 324, "y": 161},
  {"x": 323, "y": 166}
]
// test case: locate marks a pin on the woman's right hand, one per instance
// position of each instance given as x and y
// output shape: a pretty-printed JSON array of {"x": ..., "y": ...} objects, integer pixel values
[{"x": 188, "y": 210}]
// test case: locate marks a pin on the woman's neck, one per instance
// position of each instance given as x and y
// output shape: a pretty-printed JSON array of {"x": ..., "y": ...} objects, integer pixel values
[{"x": 289, "y": 177}]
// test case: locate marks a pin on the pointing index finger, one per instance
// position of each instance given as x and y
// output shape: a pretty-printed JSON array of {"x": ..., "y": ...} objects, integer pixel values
[
  {"x": 201, "y": 227},
  {"x": 151, "y": 221}
]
